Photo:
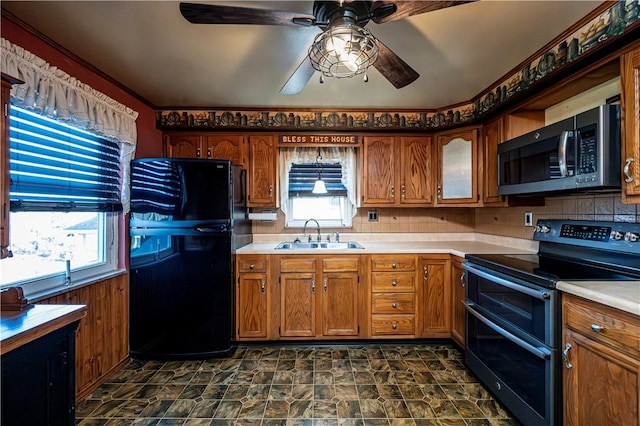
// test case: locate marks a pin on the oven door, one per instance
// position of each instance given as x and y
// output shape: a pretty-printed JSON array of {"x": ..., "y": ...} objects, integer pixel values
[
  {"x": 522, "y": 308},
  {"x": 521, "y": 374}
]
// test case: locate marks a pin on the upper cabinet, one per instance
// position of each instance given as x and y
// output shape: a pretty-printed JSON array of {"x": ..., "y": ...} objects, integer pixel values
[
  {"x": 397, "y": 171},
  {"x": 232, "y": 147},
  {"x": 457, "y": 166},
  {"x": 261, "y": 180},
  {"x": 630, "y": 81}
]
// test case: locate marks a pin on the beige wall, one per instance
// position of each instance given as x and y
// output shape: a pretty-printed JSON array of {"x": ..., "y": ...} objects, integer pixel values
[
  {"x": 390, "y": 220},
  {"x": 507, "y": 221},
  {"x": 510, "y": 221}
]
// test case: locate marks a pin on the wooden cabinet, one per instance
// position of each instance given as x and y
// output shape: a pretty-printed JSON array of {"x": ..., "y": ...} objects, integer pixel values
[
  {"x": 457, "y": 297},
  {"x": 252, "y": 297},
  {"x": 434, "y": 296},
  {"x": 457, "y": 168},
  {"x": 232, "y": 147},
  {"x": 630, "y": 81},
  {"x": 393, "y": 296},
  {"x": 319, "y": 296},
  {"x": 397, "y": 171},
  {"x": 261, "y": 179},
  {"x": 601, "y": 369}
]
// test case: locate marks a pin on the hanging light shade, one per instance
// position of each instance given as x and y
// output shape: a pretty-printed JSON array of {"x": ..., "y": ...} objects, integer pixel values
[
  {"x": 343, "y": 50},
  {"x": 319, "y": 187}
]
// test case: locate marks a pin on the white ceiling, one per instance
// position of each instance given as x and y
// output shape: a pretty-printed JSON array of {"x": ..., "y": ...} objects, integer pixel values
[{"x": 150, "y": 48}]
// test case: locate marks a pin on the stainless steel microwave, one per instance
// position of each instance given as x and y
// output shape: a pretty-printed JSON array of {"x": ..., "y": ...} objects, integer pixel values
[{"x": 576, "y": 154}]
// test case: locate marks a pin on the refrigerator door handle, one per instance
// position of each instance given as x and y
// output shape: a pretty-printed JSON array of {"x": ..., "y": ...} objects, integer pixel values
[{"x": 209, "y": 230}]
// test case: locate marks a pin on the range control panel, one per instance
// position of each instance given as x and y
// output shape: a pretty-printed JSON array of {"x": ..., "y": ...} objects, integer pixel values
[{"x": 618, "y": 236}]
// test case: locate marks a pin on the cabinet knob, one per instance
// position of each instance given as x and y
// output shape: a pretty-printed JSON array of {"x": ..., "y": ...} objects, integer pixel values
[
  {"x": 263, "y": 287},
  {"x": 394, "y": 326},
  {"x": 198, "y": 153},
  {"x": 251, "y": 266},
  {"x": 597, "y": 328},
  {"x": 394, "y": 283},
  {"x": 393, "y": 192},
  {"x": 426, "y": 272},
  {"x": 208, "y": 152},
  {"x": 565, "y": 356},
  {"x": 394, "y": 305},
  {"x": 271, "y": 191},
  {"x": 394, "y": 266}
]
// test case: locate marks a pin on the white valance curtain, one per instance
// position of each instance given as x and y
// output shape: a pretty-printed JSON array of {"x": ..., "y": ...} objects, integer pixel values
[
  {"x": 330, "y": 155},
  {"x": 53, "y": 93}
]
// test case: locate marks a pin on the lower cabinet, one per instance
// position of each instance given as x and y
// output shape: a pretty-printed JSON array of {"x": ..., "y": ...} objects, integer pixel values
[
  {"x": 601, "y": 364},
  {"x": 457, "y": 299},
  {"x": 38, "y": 381},
  {"x": 252, "y": 298},
  {"x": 434, "y": 296},
  {"x": 319, "y": 296}
]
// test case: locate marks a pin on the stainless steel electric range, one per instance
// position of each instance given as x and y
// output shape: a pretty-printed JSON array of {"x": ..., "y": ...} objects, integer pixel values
[{"x": 513, "y": 309}]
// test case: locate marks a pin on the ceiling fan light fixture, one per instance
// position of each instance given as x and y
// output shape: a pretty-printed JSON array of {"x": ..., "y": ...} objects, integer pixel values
[{"x": 344, "y": 50}]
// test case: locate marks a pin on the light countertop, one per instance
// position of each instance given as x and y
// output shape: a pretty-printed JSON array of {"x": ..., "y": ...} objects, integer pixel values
[
  {"x": 623, "y": 295},
  {"x": 457, "y": 244}
]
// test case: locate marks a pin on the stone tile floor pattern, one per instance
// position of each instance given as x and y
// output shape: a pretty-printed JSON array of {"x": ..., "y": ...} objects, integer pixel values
[{"x": 299, "y": 385}]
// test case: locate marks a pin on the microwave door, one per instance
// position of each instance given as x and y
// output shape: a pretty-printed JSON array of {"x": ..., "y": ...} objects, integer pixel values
[{"x": 538, "y": 162}]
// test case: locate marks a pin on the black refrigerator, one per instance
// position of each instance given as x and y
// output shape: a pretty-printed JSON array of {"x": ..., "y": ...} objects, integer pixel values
[{"x": 188, "y": 216}]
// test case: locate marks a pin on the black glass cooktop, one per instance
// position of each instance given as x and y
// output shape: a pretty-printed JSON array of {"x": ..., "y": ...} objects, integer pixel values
[{"x": 547, "y": 270}]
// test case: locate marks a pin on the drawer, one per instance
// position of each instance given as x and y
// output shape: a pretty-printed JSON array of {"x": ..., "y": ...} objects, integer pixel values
[
  {"x": 603, "y": 324},
  {"x": 392, "y": 303},
  {"x": 340, "y": 265},
  {"x": 388, "y": 282},
  {"x": 255, "y": 264},
  {"x": 393, "y": 263},
  {"x": 297, "y": 265},
  {"x": 385, "y": 325}
]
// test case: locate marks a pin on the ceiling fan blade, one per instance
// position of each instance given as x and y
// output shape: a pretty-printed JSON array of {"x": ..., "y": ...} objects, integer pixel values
[
  {"x": 200, "y": 13},
  {"x": 394, "y": 69},
  {"x": 409, "y": 8},
  {"x": 299, "y": 78}
]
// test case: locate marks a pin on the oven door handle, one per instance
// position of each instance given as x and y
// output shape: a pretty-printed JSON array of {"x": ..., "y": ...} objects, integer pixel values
[
  {"x": 542, "y": 353},
  {"x": 538, "y": 294}
]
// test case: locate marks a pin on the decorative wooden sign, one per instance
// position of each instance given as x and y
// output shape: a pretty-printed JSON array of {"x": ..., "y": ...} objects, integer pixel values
[{"x": 319, "y": 139}]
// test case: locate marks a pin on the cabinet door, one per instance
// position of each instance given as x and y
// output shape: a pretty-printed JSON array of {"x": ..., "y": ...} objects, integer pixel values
[
  {"x": 378, "y": 182},
  {"x": 434, "y": 307},
  {"x": 183, "y": 146},
  {"x": 416, "y": 170},
  {"x": 228, "y": 147},
  {"x": 601, "y": 387},
  {"x": 493, "y": 135},
  {"x": 4, "y": 171},
  {"x": 458, "y": 168},
  {"x": 252, "y": 305},
  {"x": 262, "y": 171},
  {"x": 457, "y": 308},
  {"x": 340, "y": 304},
  {"x": 297, "y": 304},
  {"x": 630, "y": 80}
]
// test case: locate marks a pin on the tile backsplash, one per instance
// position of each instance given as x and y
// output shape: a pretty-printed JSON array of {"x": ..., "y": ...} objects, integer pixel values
[{"x": 504, "y": 221}]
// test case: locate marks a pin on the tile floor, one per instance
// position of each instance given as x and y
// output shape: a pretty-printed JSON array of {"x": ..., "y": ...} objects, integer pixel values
[{"x": 299, "y": 385}]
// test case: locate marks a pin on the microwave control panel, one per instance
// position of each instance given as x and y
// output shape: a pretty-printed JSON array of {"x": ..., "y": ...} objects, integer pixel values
[{"x": 587, "y": 164}]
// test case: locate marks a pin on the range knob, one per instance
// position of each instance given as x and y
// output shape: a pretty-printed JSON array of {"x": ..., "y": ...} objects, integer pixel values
[
  {"x": 632, "y": 237},
  {"x": 617, "y": 235},
  {"x": 543, "y": 229}
]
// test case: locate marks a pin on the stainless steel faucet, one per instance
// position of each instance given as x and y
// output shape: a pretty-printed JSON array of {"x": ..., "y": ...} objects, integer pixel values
[{"x": 317, "y": 225}]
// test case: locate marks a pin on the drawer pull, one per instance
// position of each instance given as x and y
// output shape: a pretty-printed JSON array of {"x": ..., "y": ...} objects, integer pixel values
[
  {"x": 565, "y": 356},
  {"x": 251, "y": 266},
  {"x": 394, "y": 326},
  {"x": 597, "y": 328},
  {"x": 394, "y": 305},
  {"x": 627, "y": 176},
  {"x": 462, "y": 279},
  {"x": 394, "y": 265},
  {"x": 263, "y": 288},
  {"x": 394, "y": 283}
]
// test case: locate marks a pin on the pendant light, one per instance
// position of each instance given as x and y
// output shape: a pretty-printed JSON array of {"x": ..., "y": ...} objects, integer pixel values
[{"x": 319, "y": 187}]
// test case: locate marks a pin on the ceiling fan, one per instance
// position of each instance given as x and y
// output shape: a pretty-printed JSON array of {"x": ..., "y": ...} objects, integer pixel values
[{"x": 344, "y": 48}]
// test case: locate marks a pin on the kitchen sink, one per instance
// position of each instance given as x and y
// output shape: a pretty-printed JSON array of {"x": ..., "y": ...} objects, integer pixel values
[{"x": 315, "y": 245}]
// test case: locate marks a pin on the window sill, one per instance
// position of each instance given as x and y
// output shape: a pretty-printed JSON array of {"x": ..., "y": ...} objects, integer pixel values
[{"x": 36, "y": 297}]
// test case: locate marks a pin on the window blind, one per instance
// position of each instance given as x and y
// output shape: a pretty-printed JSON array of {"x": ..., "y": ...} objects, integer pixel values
[
  {"x": 303, "y": 176},
  {"x": 55, "y": 167}
]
